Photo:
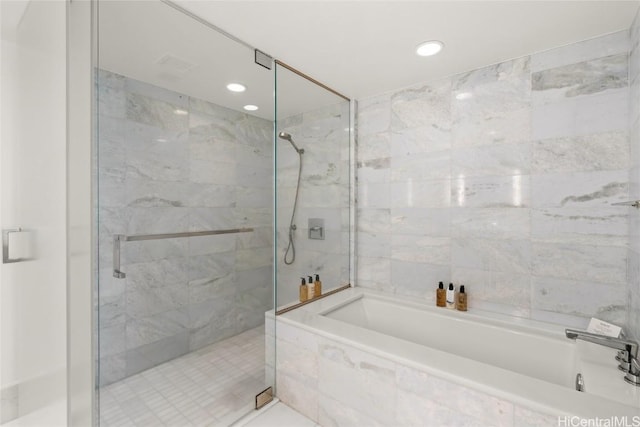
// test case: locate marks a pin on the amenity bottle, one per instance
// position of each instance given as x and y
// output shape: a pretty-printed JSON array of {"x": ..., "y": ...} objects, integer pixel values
[
  {"x": 451, "y": 297},
  {"x": 310, "y": 287},
  {"x": 317, "y": 286},
  {"x": 461, "y": 301},
  {"x": 441, "y": 295},
  {"x": 304, "y": 291}
]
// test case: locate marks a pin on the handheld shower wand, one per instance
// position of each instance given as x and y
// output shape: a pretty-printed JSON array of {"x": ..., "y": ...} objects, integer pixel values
[{"x": 292, "y": 227}]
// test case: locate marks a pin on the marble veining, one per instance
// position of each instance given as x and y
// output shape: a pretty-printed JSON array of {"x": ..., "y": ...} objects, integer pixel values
[
  {"x": 500, "y": 176},
  {"x": 584, "y": 78},
  {"x": 172, "y": 163}
]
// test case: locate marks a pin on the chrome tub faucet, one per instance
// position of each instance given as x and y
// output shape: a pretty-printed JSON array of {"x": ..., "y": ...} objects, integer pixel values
[{"x": 627, "y": 354}]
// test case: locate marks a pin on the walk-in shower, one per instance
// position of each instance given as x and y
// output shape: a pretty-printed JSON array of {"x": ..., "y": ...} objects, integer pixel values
[
  {"x": 292, "y": 227},
  {"x": 181, "y": 168}
]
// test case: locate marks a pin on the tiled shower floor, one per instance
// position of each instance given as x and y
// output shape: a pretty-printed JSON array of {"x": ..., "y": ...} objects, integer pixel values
[{"x": 209, "y": 387}]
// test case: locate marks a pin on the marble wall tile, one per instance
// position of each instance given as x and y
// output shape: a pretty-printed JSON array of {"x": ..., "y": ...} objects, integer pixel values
[
  {"x": 491, "y": 160},
  {"x": 504, "y": 127},
  {"x": 146, "y": 356},
  {"x": 416, "y": 279},
  {"x": 492, "y": 223},
  {"x": 598, "y": 113},
  {"x": 146, "y": 330},
  {"x": 580, "y": 189},
  {"x": 366, "y": 381},
  {"x": 601, "y": 300},
  {"x": 593, "y": 152},
  {"x": 374, "y": 115},
  {"x": 374, "y": 195},
  {"x": 333, "y": 413},
  {"x": 496, "y": 287},
  {"x": 585, "y": 226},
  {"x": 423, "y": 139},
  {"x": 142, "y": 109},
  {"x": 374, "y": 244},
  {"x": 408, "y": 106},
  {"x": 430, "y": 222},
  {"x": 524, "y": 417},
  {"x": 298, "y": 396},
  {"x": 414, "y": 193},
  {"x": 372, "y": 146},
  {"x": 460, "y": 399},
  {"x": 164, "y": 172},
  {"x": 604, "y": 264},
  {"x": 421, "y": 248},
  {"x": 584, "y": 78},
  {"x": 421, "y": 167},
  {"x": 598, "y": 47},
  {"x": 546, "y": 134},
  {"x": 514, "y": 256},
  {"x": 491, "y": 192}
]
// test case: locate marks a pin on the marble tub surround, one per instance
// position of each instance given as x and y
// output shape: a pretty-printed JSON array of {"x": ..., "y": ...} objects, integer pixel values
[
  {"x": 501, "y": 179},
  {"x": 172, "y": 163},
  {"x": 633, "y": 266},
  {"x": 337, "y": 373},
  {"x": 324, "y": 193}
]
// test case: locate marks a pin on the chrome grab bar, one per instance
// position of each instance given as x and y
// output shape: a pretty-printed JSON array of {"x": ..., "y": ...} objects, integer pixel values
[{"x": 117, "y": 238}]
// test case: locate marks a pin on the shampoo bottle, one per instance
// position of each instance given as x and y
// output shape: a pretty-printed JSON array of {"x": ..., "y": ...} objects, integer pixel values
[
  {"x": 304, "y": 292},
  {"x": 462, "y": 299},
  {"x": 451, "y": 297},
  {"x": 441, "y": 295},
  {"x": 310, "y": 287},
  {"x": 317, "y": 287}
]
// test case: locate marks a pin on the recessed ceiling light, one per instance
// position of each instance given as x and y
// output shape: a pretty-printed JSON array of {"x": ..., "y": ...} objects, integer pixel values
[
  {"x": 180, "y": 112},
  {"x": 429, "y": 48},
  {"x": 236, "y": 87},
  {"x": 250, "y": 107}
]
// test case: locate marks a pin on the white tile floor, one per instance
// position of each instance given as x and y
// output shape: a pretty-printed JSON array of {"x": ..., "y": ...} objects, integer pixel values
[
  {"x": 213, "y": 386},
  {"x": 279, "y": 415}
]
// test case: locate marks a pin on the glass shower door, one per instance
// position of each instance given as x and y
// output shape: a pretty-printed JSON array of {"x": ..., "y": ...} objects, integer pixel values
[{"x": 185, "y": 219}]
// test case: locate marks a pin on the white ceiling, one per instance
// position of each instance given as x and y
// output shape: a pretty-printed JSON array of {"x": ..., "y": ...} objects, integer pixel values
[
  {"x": 362, "y": 48},
  {"x": 359, "y": 48}
]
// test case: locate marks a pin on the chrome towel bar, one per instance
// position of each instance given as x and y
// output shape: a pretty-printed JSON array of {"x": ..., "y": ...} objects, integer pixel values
[
  {"x": 634, "y": 203},
  {"x": 117, "y": 238}
]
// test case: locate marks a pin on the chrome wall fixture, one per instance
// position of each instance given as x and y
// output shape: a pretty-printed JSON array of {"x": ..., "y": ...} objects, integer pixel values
[
  {"x": 633, "y": 203},
  {"x": 117, "y": 238},
  {"x": 6, "y": 256}
]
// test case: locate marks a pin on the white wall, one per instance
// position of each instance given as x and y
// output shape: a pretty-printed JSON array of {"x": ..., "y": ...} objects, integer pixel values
[{"x": 33, "y": 293}]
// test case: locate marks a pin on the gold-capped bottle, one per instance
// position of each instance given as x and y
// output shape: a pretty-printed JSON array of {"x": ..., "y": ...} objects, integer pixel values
[
  {"x": 441, "y": 296},
  {"x": 304, "y": 291},
  {"x": 317, "y": 287},
  {"x": 461, "y": 302}
]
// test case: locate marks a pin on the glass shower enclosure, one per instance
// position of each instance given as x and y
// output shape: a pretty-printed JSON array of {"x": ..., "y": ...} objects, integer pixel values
[{"x": 185, "y": 219}]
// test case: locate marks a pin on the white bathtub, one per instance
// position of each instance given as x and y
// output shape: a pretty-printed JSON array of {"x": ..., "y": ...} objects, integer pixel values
[{"x": 527, "y": 363}]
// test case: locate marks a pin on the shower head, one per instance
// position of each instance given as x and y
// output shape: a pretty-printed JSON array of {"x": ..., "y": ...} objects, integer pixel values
[{"x": 287, "y": 136}]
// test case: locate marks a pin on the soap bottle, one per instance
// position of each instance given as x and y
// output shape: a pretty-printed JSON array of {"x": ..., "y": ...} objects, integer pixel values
[
  {"x": 310, "y": 287},
  {"x": 451, "y": 297},
  {"x": 317, "y": 287},
  {"x": 304, "y": 292},
  {"x": 462, "y": 299},
  {"x": 441, "y": 298}
]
